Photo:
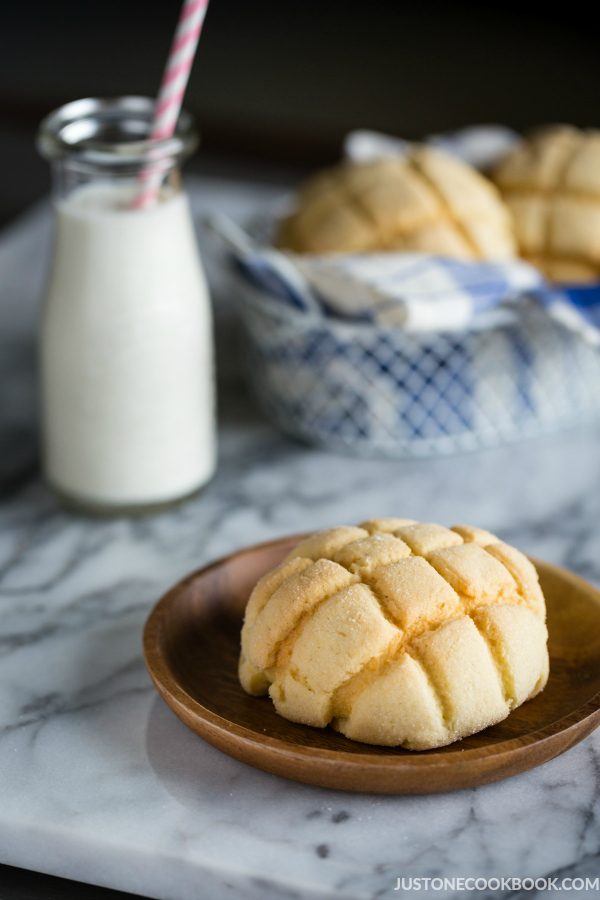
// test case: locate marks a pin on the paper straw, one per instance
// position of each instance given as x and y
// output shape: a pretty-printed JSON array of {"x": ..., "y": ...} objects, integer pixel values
[{"x": 172, "y": 90}]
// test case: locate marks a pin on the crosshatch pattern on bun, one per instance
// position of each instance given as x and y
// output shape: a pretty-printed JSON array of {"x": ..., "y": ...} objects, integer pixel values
[
  {"x": 426, "y": 202},
  {"x": 551, "y": 184},
  {"x": 397, "y": 633}
]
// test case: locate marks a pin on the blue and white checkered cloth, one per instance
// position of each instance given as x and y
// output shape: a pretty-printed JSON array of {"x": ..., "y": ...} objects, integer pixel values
[
  {"x": 416, "y": 292},
  {"x": 577, "y": 308}
]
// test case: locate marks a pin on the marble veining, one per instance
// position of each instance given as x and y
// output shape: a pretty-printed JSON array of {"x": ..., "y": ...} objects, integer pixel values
[{"x": 98, "y": 779}]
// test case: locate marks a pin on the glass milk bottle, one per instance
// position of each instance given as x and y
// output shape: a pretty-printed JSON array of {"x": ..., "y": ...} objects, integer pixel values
[{"x": 126, "y": 335}]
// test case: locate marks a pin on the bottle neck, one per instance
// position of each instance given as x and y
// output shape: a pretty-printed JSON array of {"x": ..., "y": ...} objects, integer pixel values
[
  {"x": 69, "y": 176},
  {"x": 107, "y": 141}
]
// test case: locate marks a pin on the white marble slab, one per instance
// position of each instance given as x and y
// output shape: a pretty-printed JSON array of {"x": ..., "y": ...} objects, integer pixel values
[{"x": 101, "y": 783}]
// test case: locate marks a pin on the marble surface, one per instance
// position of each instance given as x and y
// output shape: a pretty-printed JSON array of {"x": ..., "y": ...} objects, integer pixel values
[{"x": 98, "y": 779}]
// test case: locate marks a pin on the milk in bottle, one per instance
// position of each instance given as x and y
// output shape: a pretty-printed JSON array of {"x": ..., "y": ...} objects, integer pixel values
[{"x": 126, "y": 334}]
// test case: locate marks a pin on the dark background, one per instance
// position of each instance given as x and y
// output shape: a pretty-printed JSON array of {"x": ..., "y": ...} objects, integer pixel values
[{"x": 277, "y": 84}]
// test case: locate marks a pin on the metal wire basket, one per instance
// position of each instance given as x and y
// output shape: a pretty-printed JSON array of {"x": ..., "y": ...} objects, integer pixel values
[{"x": 374, "y": 390}]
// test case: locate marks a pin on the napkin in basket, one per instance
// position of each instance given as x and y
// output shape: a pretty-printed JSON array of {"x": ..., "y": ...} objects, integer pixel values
[{"x": 415, "y": 292}]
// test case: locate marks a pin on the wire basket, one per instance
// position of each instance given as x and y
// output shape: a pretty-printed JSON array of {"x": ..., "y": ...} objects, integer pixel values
[{"x": 378, "y": 391}]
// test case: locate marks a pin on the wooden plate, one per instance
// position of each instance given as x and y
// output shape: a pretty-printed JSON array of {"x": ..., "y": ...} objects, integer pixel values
[{"x": 191, "y": 643}]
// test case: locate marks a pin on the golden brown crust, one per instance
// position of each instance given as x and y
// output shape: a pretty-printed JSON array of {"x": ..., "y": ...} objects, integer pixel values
[
  {"x": 551, "y": 185},
  {"x": 425, "y": 202},
  {"x": 397, "y": 632}
]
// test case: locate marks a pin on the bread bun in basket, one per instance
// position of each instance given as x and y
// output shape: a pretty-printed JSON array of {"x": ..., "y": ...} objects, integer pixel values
[
  {"x": 427, "y": 202},
  {"x": 551, "y": 184}
]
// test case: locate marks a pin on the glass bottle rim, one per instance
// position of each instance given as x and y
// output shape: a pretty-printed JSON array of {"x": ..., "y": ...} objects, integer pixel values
[{"x": 83, "y": 130}]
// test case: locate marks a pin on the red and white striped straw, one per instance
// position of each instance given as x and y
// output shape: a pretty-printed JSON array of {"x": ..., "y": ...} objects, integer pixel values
[{"x": 172, "y": 90}]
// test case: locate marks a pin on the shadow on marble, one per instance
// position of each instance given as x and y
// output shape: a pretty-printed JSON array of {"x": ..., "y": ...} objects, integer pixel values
[{"x": 192, "y": 771}]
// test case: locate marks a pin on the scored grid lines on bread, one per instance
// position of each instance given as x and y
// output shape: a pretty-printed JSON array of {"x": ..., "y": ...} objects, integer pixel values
[
  {"x": 435, "y": 538},
  {"x": 547, "y": 159},
  {"x": 368, "y": 556},
  {"x": 555, "y": 167},
  {"x": 446, "y": 208},
  {"x": 390, "y": 202},
  {"x": 559, "y": 188},
  {"x": 339, "y": 541},
  {"x": 412, "y": 162}
]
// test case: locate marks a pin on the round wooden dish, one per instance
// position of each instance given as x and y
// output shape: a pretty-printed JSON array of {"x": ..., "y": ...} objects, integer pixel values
[{"x": 191, "y": 644}]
